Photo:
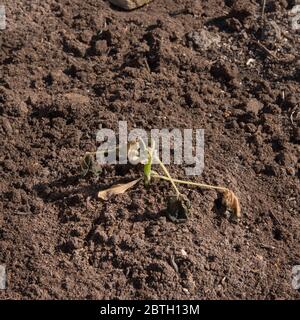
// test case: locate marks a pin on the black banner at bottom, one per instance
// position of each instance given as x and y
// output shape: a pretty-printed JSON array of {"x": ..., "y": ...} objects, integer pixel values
[{"x": 97, "y": 310}]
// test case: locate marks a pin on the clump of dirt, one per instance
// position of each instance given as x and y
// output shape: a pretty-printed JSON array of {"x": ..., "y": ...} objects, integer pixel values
[{"x": 68, "y": 68}]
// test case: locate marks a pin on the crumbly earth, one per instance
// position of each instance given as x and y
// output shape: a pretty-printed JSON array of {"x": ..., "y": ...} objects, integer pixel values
[{"x": 69, "y": 67}]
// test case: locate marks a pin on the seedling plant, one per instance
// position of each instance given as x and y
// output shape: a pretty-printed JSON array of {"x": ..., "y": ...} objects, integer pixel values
[{"x": 177, "y": 204}]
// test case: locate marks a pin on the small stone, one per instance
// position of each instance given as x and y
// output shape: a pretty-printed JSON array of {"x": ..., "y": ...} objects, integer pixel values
[
  {"x": 100, "y": 236},
  {"x": 45, "y": 172},
  {"x": 100, "y": 47},
  {"x": 129, "y": 4},
  {"x": 250, "y": 127},
  {"x": 253, "y": 106},
  {"x": 22, "y": 108},
  {"x": 203, "y": 39},
  {"x": 186, "y": 291},
  {"x": 32, "y": 99},
  {"x": 7, "y": 126},
  {"x": 258, "y": 167},
  {"x": 290, "y": 171},
  {"x": 183, "y": 253},
  {"x": 73, "y": 244},
  {"x": 77, "y": 48},
  {"x": 227, "y": 72},
  {"x": 242, "y": 9},
  {"x": 57, "y": 76},
  {"x": 86, "y": 36},
  {"x": 258, "y": 140},
  {"x": 76, "y": 98}
]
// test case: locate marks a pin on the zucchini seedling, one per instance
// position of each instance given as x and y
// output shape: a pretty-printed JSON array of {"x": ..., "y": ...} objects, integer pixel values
[{"x": 177, "y": 205}]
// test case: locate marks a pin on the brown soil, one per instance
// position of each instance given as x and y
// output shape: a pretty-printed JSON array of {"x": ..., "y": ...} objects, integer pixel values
[{"x": 69, "y": 66}]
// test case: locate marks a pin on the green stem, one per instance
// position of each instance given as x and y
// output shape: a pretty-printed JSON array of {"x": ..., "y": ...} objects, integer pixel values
[
  {"x": 201, "y": 185},
  {"x": 178, "y": 194},
  {"x": 168, "y": 178}
]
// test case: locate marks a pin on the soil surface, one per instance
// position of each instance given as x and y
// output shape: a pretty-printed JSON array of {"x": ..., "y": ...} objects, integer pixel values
[{"x": 70, "y": 66}]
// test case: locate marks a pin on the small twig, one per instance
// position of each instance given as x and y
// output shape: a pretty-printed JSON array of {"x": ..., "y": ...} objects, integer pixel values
[
  {"x": 266, "y": 246},
  {"x": 263, "y": 20},
  {"x": 19, "y": 213},
  {"x": 178, "y": 12},
  {"x": 292, "y": 115},
  {"x": 263, "y": 9},
  {"x": 174, "y": 264},
  {"x": 147, "y": 65},
  {"x": 270, "y": 53},
  {"x": 274, "y": 217}
]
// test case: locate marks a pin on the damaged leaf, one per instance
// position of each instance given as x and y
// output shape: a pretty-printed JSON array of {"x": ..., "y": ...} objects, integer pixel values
[
  {"x": 117, "y": 189},
  {"x": 88, "y": 165},
  {"x": 231, "y": 202}
]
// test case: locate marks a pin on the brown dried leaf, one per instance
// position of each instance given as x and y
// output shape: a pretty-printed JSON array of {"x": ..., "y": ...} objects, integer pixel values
[
  {"x": 117, "y": 189},
  {"x": 231, "y": 202}
]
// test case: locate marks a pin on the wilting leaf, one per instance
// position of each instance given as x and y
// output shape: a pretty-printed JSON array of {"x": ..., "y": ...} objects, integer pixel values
[
  {"x": 231, "y": 202},
  {"x": 134, "y": 152},
  {"x": 88, "y": 165},
  {"x": 177, "y": 209},
  {"x": 117, "y": 189}
]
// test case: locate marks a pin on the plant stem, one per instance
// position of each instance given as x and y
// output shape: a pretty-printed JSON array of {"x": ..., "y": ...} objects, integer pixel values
[
  {"x": 201, "y": 185},
  {"x": 168, "y": 178}
]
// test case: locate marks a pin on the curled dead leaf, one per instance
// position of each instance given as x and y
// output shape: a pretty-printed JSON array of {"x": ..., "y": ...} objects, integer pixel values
[
  {"x": 178, "y": 209},
  {"x": 117, "y": 189},
  {"x": 88, "y": 164},
  {"x": 231, "y": 201}
]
